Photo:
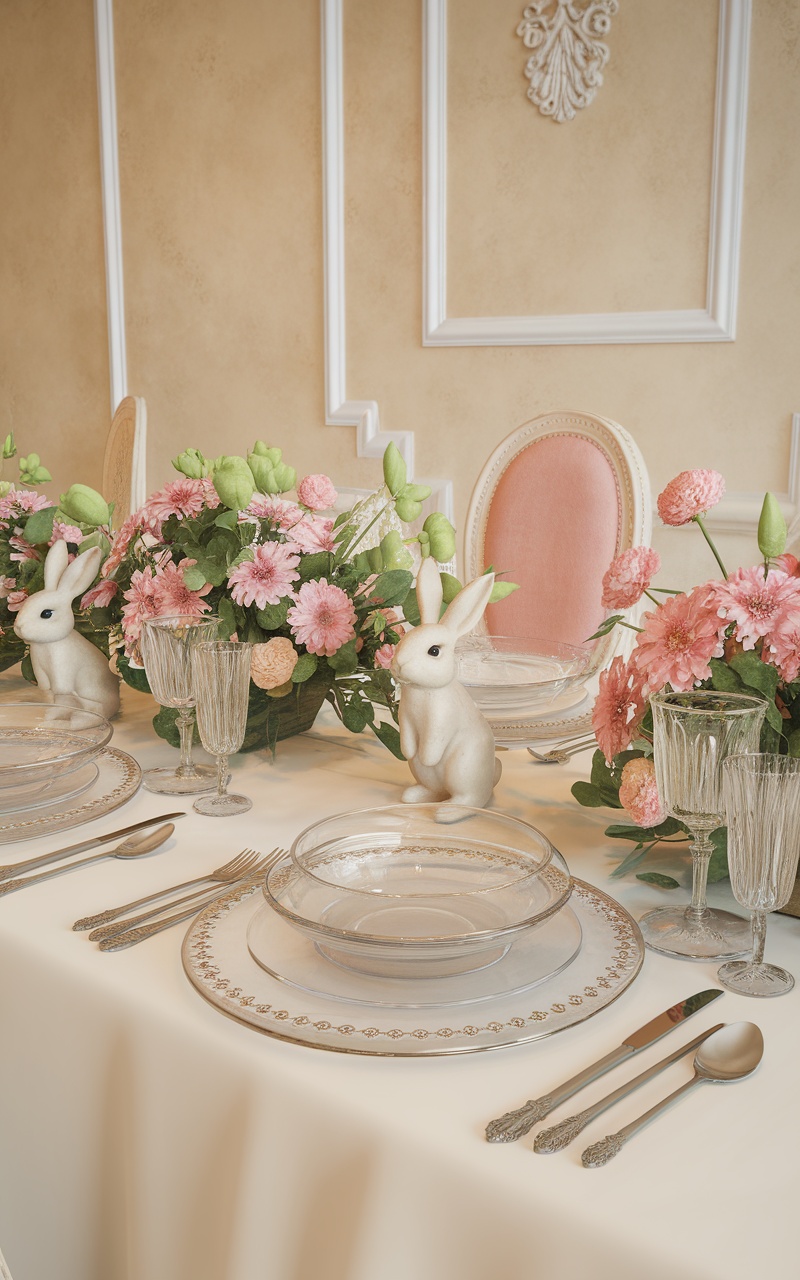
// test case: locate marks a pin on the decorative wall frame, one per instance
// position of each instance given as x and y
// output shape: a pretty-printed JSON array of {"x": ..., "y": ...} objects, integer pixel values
[
  {"x": 715, "y": 323},
  {"x": 109, "y": 179},
  {"x": 738, "y": 512}
]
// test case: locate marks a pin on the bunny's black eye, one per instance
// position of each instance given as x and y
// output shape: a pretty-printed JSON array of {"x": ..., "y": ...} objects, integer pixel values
[
  {"x": 434, "y": 651},
  {"x": 46, "y": 613}
]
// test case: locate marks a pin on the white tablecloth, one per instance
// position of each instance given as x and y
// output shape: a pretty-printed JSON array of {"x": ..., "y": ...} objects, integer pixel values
[{"x": 145, "y": 1136}]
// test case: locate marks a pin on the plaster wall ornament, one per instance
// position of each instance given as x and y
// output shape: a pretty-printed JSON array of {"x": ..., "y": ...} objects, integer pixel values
[{"x": 565, "y": 68}]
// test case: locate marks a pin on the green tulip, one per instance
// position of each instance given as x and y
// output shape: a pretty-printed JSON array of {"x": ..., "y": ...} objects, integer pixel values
[
  {"x": 394, "y": 553},
  {"x": 191, "y": 463},
  {"x": 417, "y": 492},
  {"x": 234, "y": 483},
  {"x": 285, "y": 477},
  {"x": 85, "y": 505},
  {"x": 442, "y": 536},
  {"x": 407, "y": 509},
  {"x": 262, "y": 450},
  {"x": 5, "y": 486},
  {"x": 394, "y": 470},
  {"x": 771, "y": 528},
  {"x": 9, "y": 448}
]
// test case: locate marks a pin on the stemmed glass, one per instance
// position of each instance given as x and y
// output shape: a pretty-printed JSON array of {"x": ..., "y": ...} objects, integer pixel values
[
  {"x": 221, "y": 682},
  {"x": 762, "y": 803},
  {"x": 166, "y": 647},
  {"x": 693, "y": 733}
]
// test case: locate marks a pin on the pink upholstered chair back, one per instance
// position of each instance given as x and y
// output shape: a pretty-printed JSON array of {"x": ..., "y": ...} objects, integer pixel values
[{"x": 556, "y": 502}]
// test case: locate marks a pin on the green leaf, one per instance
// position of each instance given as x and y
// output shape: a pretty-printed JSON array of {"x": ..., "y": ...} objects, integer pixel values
[
  {"x": 227, "y": 618},
  {"x": 306, "y": 666},
  {"x": 213, "y": 571},
  {"x": 317, "y": 565},
  {"x": 389, "y": 736},
  {"x": 620, "y": 832},
  {"x": 723, "y": 678},
  {"x": 632, "y": 860},
  {"x": 356, "y": 714},
  {"x": 194, "y": 578},
  {"x": 136, "y": 677},
  {"x": 774, "y": 717},
  {"x": 227, "y": 520},
  {"x": 345, "y": 659},
  {"x": 718, "y": 862},
  {"x": 26, "y": 667},
  {"x": 602, "y": 778},
  {"x": 794, "y": 743},
  {"x": 656, "y": 878},
  {"x": 39, "y": 526},
  {"x": 390, "y": 588},
  {"x": 273, "y": 616},
  {"x": 606, "y": 626},
  {"x": 772, "y": 529},
  {"x": 417, "y": 492},
  {"x": 588, "y": 795},
  {"x": 501, "y": 590},
  {"x": 395, "y": 474},
  {"x": 755, "y": 673},
  {"x": 411, "y": 609}
]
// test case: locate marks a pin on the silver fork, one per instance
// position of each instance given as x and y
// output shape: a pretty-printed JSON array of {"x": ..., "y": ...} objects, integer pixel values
[
  {"x": 562, "y": 753},
  {"x": 252, "y": 867},
  {"x": 129, "y": 937},
  {"x": 225, "y": 874}
]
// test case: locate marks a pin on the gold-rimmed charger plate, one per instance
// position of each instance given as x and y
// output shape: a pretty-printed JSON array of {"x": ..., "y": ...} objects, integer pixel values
[
  {"x": 218, "y": 963},
  {"x": 118, "y": 778}
]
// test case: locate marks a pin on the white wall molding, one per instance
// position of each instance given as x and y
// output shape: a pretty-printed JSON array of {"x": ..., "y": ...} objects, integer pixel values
[
  {"x": 738, "y": 512},
  {"x": 112, "y": 219},
  {"x": 715, "y": 323},
  {"x": 364, "y": 415}
]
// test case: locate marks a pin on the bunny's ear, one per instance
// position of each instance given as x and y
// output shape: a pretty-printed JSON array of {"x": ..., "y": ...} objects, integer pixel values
[
  {"x": 429, "y": 590},
  {"x": 80, "y": 573},
  {"x": 463, "y": 612},
  {"x": 55, "y": 564}
]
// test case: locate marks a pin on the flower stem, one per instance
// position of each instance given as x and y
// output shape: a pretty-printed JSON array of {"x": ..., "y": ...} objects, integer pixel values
[
  {"x": 629, "y": 625},
  {"x": 698, "y": 519}
]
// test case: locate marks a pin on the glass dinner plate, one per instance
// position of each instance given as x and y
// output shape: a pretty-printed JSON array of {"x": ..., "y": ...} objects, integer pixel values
[
  {"x": 217, "y": 961},
  {"x": 118, "y": 778},
  {"x": 34, "y": 795}
]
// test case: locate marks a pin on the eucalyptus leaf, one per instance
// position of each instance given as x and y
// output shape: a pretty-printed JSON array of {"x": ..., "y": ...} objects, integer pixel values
[
  {"x": 657, "y": 879},
  {"x": 306, "y": 666},
  {"x": 588, "y": 795},
  {"x": 39, "y": 526},
  {"x": 389, "y": 736},
  {"x": 755, "y": 673},
  {"x": 273, "y": 616},
  {"x": 633, "y": 860},
  {"x": 390, "y": 588}
]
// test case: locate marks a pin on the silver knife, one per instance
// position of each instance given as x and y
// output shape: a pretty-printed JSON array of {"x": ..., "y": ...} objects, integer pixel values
[
  {"x": 515, "y": 1124},
  {"x": 42, "y": 860}
]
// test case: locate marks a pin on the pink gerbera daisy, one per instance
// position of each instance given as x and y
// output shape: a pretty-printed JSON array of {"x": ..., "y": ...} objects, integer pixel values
[
  {"x": 678, "y": 641},
  {"x": 323, "y": 619},
  {"x": 281, "y": 513},
  {"x": 172, "y": 595},
  {"x": 142, "y": 604},
  {"x": 314, "y": 534},
  {"x": 19, "y": 501},
  {"x": 122, "y": 541},
  {"x": 619, "y": 707},
  {"x": 183, "y": 497},
  {"x": 629, "y": 577},
  {"x": 100, "y": 595},
  {"x": 266, "y": 578},
  {"x": 757, "y": 604},
  {"x": 689, "y": 495}
]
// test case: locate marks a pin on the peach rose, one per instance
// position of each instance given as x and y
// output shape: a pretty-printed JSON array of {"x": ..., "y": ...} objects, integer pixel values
[{"x": 272, "y": 664}]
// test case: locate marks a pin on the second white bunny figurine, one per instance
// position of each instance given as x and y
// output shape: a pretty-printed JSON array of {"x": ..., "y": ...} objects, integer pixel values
[
  {"x": 69, "y": 669},
  {"x": 446, "y": 740}
]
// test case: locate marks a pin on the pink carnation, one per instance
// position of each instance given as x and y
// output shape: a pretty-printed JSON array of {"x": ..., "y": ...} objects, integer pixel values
[
  {"x": 638, "y": 792},
  {"x": 629, "y": 577},
  {"x": 689, "y": 495},
  {"x": 66, "y": 533},
  {"x": 678, "y": 640},
  {"x": 758, "y": 605},
  {"x": 172, "y": 596},
  {"x": 323, "y": 619},
  {"x": 316, "y": 492},
  {"x": 266, "y": 578},
  {"x": 619, "y": 707},
  {"x": 101, "y": 594}
]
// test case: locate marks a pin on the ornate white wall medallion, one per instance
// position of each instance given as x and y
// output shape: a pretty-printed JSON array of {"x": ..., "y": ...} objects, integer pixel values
[{"x": 565, "y": 68}]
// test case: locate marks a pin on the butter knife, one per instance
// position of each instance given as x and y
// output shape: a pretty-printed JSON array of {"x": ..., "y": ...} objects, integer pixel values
[
  {"x": 515, "y": 1124},
  {"x": 43, "y": 859}
]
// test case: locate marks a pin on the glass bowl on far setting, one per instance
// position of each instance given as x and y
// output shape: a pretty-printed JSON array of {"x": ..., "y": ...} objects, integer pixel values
[
  {"x": 427, "y": 890},
  {"x": 508, "y": 677},
  {"x": 42, "y": 741}
]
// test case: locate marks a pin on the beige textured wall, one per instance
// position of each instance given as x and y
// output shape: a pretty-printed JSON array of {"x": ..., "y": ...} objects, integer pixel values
[{"x": 220, "y": 158}]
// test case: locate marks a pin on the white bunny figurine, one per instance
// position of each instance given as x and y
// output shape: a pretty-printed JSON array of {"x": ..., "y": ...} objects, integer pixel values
[
  {"x": 447, "y": 742},
  {"x": 67, "y": 666}
]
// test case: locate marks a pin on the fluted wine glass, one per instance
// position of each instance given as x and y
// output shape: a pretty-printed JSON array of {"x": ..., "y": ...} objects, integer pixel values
[
  {"x": 167, "y": 644},
  {"x": 221, "y": 683},
  {"x": 693, "y": 733},
  {"x": 762, "y": 806}
]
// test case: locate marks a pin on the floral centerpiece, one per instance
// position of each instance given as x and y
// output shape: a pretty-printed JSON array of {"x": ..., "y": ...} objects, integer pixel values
[
  {"x": 30, "y": 523},
  {"x": 738, "y": 632},
  {"x": 318, "y": 595}
]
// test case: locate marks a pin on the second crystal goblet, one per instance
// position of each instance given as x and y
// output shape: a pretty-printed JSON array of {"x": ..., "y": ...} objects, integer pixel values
[
  {"x": 693, "y": 733},
  {"x": 762, "y": 806},
  {"x": 221, "y": 683},
  {"x": 166, "y": 648}
]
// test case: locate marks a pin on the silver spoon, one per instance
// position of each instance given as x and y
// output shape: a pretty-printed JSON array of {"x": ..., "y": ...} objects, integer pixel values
[
  {"x": 133, "y": 847},
  {"x": 728, "y": 1055}
]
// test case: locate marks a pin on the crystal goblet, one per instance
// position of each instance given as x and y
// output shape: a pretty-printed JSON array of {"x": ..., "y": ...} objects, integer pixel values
[
  {"x": 166, "y": 647},
  {"x": 762, "y": 805},
  {"x": 693, "y": 733},
  {"x": 221, "y": 683}
]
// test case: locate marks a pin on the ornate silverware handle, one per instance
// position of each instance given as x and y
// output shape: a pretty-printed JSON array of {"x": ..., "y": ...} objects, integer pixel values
[
  {"x": 561, "y": 1135},
  {"x": 122, "y": 926},
  {"x": 105, "y": 917},
  {"x": 599, "y": 1153},
  {"x": 129, "y": 937},
  {"x": 515, "y": 1124}
]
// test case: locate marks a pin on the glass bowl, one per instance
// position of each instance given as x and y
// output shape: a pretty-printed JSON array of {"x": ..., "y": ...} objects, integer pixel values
[
  {"x": 41, "y": 741},
  {"x": 426, "y": 890},
  {"x": 512, "y": 678}
]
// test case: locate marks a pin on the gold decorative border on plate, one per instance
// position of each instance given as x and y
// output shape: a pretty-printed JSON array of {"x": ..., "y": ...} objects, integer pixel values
[{"x": 122, "y": 779}]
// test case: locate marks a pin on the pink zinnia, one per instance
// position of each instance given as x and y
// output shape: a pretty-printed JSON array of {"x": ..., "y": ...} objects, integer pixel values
[
  {"x": 689, "y": 495},
  {"x": 281, "y": 513},
  {"x": 172, "y": 596},
  {"x": 638, "y": 792},
  {"x": 629, "y": 577},
  {"x": 314, "y": 534},
  {"x": 101, "y": 594},
  {"x": 316, "y": 492},
  {"x": 757, "y": 604},
  {"x": 784, "y": 650},
  {"x": 619, "y": 707},
  {"x": 17, "y": 501},
  {"x": 66, "y": 532},
  {"x": 141, "y": 598},
  {"x": 266, "y": 578},
  {"x": 323, "y": 619},
  {"x": 122, "y": 541},
  {"x": 183, "y": 497},
  {"x": 678, "y": 640}
]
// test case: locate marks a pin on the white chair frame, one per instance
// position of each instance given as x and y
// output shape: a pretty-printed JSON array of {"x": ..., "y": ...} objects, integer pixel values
[{"x": 124, "y": 461}]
